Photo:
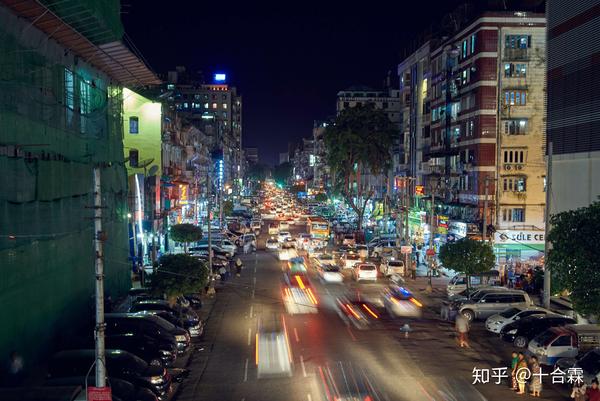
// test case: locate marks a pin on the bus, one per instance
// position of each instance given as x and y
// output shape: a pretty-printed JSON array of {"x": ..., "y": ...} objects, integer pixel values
[{"x": 318, "y": 227}]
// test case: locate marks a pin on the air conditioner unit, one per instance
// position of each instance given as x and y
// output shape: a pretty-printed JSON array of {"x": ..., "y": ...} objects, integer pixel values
[
  {"x": 519, "y": 167},
  {"x": 507, "y": 167}
]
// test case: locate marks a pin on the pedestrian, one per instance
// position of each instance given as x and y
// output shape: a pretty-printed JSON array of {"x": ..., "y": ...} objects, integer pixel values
[
  {"x": 413, "y": 270},
  {"x": 513, "y": 371},
  {"x": 223, "y": 273},
  {"x": 520, "y": 373},
  {"x": 462, "y": 328},
  {"x": 579, "y": 390},
  {"x": 238, "y": 267},
  {"x": 536, "y": 378},
  {"x": 247, "y": 246},
  {"x": 593, "y": 393},
  {"x": 14, "y": 368}
]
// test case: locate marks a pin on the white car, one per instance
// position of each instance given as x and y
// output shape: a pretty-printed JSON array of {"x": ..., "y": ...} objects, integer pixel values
[
  {"x": 283, "y": 225},
  {"x": 272, "y": 244},
  {"x": 389, "y": 267},
  {"x": 287, "y": 252},
  {"x": 330, "y": 273},
  {"x": 228, "y": 246},
  {"x": 323, "y": 259},
  {"x": 495, "y": 323},
  {"x": 348, "y": 260},
  {"x": 303, "y": 241},
  {"x": 283, "y": 235},
  {"x": 365, "y": 271}
]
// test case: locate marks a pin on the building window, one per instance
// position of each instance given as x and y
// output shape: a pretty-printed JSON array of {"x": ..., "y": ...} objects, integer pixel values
[
  {"x": 206, "y": 105},
  {"x": 197, "y": 96},
  {"x": 473, "y": 41},
  {"x": 346, "y": 105},
  {"x": 214, "y": 105},
  {"x": 470, "y": 128},
  {"x": 515, "y": 127},
  {"x": 205, "y": 96},
  {"x": 518, "y": 41},
  {"x": 514, "y": 184},
  {"x": 224, "y": 105},
  {"x": 224, "y": 96},
  {"x": 515, "y": 98},
  {"x": 134, "y": 125},
  {"x": 224, "y": 114},
  {"x": 518, "y": 215},
  {"x": 514, "y": 156},
  {"x": 515, "y": 70},
  {"x": 170, "y": 87},
  {"x": 465, "y": 47},
  {"x": 69, "y": 94}
]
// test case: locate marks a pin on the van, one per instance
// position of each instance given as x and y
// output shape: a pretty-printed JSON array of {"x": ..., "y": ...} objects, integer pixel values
[
  {"x": 564, "y": 342},
  {"x": 458, "y": 283},
  {"x": 494, "y": 302}
]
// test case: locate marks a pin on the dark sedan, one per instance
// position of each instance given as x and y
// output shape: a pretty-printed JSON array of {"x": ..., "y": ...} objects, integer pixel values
[{"x": 524, "y": 330}]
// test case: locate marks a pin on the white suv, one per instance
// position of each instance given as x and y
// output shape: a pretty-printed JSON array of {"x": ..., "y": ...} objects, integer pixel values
[{"x": 365, "y": 271}]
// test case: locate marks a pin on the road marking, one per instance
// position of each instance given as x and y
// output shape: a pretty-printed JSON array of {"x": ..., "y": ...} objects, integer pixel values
[
  {"x": 253, "y": 293},
  {"x": 296, "y": 335},
  {"x": 251, "y": 310},
  {"x": 246, "y": 371},
  {"x": 308, "y": 397},
  {"x": 249, "y": 335},
  {"x": 350, "y": 332},
  {"x": 303, "y": 366}
]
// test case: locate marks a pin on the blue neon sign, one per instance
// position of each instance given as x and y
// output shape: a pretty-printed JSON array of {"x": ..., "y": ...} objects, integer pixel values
[{"x": 220, "y": 77}]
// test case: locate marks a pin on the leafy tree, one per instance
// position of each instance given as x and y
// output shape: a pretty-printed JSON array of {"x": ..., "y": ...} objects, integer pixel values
[
  {"x": 321, "y": 197},
  {"x": 257, "y": 172},
  {"x": 282, "y": 172},
  {"x": 179, "y": 274},
  {"x": 358, "y": 142},
  {"x": 186, "y": 233},
  {"x": 575, "y": 255},
  {"x": 468, "y": 256},
  {"x": 227, "y": 208}
]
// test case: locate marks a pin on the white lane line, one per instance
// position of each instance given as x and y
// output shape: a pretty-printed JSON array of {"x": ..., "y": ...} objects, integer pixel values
[
  {"x": 254, "y": 280},
  {"x": 246, "y": 371},
  {"x": 249, "y": 335},
  {"x": 251, "y": 310},
  {"x": 296, "y": 335},
  {"x": 308, "y": 397},
  {"x": 253, "y": 293},
  {"x": 303, "y": 366},
  {"x": 350, "y": 332}
]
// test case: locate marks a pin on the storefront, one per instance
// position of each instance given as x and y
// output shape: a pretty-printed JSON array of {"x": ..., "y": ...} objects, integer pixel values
[{"x": 519, "y": 248}]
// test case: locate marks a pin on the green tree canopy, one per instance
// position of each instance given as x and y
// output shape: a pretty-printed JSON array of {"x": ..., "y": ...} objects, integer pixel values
[
  {"x": 227, "y": 208},
  {"x": 574, "y": 259},
  {"x": 282, "y": 172},
  {"x": 179, "y": 274},
  {"x": 257, "y": 172},
  {"x": 186, "y": 233},
  {"x": 468, "y": 256},
  {"x": 359, "y": 141},
  {"x": 321, "y": 197}
]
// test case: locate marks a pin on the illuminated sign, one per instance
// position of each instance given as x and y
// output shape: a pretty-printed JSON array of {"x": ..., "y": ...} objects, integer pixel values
[
  {"x": 220, "y": 77},
  {"x": 519, "y": 237},
  {"x": 311, "y": 160},
  {"x": 183, "y": 194},
  {"x": 400, "y": 182},
  {"x": 419, "y": 190}
]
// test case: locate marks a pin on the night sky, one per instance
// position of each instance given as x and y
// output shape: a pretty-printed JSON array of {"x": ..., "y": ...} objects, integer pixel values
[{"x": 288, "y": 60}]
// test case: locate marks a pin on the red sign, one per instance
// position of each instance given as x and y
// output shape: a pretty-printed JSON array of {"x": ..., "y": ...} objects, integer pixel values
[
  {"x": 430, "y": 252},
  {"x": 99, "y": 394},
  {"x": 406, "y": 249},
  {"x": 419, "y": 190}
]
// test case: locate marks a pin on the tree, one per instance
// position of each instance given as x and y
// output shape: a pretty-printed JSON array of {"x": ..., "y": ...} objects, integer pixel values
[
  {"x": 468, "y": 256},
  {"x": 179, "y": 274},
  {"x": 186, "y": 233},
  {"x": 321, "y": 197},
  {"x": 282, "y": 172},
  {"x": 358, "y": 142},
  {"x": 227, "y": 208},
  {"x": 574, "y": 259},
  {"x": 257, "y": 172}
]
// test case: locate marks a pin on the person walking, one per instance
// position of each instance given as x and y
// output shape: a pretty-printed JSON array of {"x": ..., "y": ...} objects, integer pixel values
[
  {"x": 593, "y": 393},
  {"x": 536, "y": 378},
  {"x": 513, "y": 371},
  {"x": 223, "y": 273},
  {"x": 579, "y": 390},
  {"x": 462, "y": 328},
  {"x": 413, "y": 270},
  {"x": 520, "y": 373},
  {"x": 238, "y": 267}
]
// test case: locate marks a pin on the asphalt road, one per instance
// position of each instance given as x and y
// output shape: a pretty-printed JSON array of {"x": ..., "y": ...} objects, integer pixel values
[{"x": 425, "y": 366}]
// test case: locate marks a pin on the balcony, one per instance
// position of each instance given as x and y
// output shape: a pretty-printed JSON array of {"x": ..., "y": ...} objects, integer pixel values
[{"x": 516, "y": 54}]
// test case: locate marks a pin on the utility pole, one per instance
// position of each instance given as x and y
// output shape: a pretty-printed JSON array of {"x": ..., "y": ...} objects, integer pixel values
[
  {"x": 208, "y": 216},
  {"x": 431, "y": 234},
  {"x": 547, "y": 275},
  {"x": 485, "y": 209},
  {"x": 99, "y": 267}
]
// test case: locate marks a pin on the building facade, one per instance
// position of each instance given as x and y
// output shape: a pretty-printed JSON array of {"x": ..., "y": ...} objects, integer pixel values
[
  {"x": 251, "y": 155},
  {"x": 573, "y": 102}
]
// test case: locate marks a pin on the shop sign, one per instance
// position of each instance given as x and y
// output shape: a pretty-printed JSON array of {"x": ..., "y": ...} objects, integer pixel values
[
  {"x": 458, "y": 229},
  {"x": 468, "y": 198},
  {"x": 519, "y": 237},
  {"x": 183, "y": 194},
  {"x": 419, "y": 190},
  {"x": 99, "y": 394},
  {"x": 442, "y": 224},
  {"x": 400, "y": 182},
  {"x": 406, "y": 249}
]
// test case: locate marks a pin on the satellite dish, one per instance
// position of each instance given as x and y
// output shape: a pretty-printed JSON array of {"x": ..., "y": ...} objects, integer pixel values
[
  {"x": 153, "y": 170},
  {"x": 145, "y": 163}
]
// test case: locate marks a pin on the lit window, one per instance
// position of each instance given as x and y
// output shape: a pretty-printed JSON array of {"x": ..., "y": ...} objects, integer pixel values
[
  {"x": 224, "y": 114},
  {"x": 515, "y": 127},
  {"x": 133, "y": 125},
  {"x": 224, "y": 105},
  {"x": 473, "y": 40},
  {"x": 214, "y": 105},
  {"x": 206, "y": 105}
]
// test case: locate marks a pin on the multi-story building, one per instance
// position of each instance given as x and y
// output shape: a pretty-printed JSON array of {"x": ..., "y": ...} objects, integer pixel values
[
  {"x": 573, "y": 102},
  {"x": 484, "y": 92},
  {"x": 321, "y": 168},
  {"x": 304, "y": 160},
  {"x": 251, "y": 155},
  {"x": 61, "y": 104},
  {"x": 216, "y": 110},
  {"x": 284, "y": 157},
  {"x": 387, "y": 100}
]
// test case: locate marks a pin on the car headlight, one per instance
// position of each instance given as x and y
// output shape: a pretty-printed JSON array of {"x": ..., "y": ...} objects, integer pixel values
[
  {"x": 513, "y": 331},
  {"x": 165, "y": 352},
  {"x": 156, "y": 380},
  {"x": 180, "y": 338},
  {"x": 542, "y": 351}
]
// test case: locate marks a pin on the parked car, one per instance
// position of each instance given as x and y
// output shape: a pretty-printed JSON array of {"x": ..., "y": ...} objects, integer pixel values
[
  {"x": 496, "y": 322},
  {"x": 564, "y": 342},
  {"x": 389, "y": 267},
  {"x": 494, "y": 302},
  {"x": 365, "y": 271},
  {"x": 188, "y": 315},
  {"x": 195, "y": 327},
  {"x": 524, "y": 330},
  {"x": 228, "y": 246},
  {"x": 383, "y": 247},
  {"x": 458, "y": 283},
  {"x": 121, "y": 364},
  {"x": 147, "y": 324},
  {"x": 589, "y": 364}
]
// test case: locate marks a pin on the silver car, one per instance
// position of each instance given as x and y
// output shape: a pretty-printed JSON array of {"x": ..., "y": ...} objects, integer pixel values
[{"x": 494, "y": 302}]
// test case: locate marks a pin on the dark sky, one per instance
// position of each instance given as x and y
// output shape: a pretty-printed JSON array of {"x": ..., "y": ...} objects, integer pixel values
[{"x": 288, "y": 60}]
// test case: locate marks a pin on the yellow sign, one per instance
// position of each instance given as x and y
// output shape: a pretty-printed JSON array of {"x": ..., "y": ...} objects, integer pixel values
[
  {"x": 183, "y": 194},
  {"x": 419, "y": 190}
]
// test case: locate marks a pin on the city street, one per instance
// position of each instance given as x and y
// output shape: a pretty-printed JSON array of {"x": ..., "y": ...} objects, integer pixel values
[{"x": 427, "y": 365}]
